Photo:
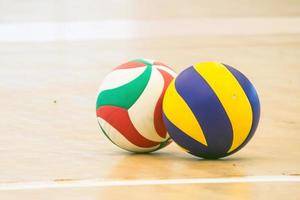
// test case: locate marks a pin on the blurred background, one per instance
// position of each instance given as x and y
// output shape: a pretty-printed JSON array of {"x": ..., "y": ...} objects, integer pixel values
[{"x": 54, "y": 54}]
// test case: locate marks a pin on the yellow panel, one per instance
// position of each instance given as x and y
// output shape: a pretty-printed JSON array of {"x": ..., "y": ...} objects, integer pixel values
[
  {"x": 232, "y": 97},
  {"x": 178, "y": 112}
]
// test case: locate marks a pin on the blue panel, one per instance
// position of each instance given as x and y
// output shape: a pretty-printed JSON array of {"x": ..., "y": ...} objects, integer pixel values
[
  {"x": 253, "y": 99},
  {"x": 207, "y": 108},
  {"x": 193, "y": 146}
]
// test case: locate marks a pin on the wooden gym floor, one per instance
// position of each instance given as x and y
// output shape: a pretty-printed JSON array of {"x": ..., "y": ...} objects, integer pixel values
[{"x": 54, "y": 54}]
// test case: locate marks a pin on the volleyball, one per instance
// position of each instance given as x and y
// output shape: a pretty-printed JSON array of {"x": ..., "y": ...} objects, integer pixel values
[
  {"x": 129, "y": 105},
  {"x": 211, "y": 110}
]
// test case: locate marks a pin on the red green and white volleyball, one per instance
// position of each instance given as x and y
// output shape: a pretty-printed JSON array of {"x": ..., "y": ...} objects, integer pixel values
[{"x": 129, "y": 105}]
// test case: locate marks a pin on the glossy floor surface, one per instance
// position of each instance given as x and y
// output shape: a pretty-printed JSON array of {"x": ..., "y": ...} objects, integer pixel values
[{"x": 50, "y": 144}]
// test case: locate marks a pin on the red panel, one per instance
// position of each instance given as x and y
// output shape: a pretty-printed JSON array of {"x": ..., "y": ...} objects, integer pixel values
[
  {"x": 119, "y": 119},
  {"x": 130, "y": 65},
  {"x": 158, "y": 122},
  {"x": 162, "y": 64}
]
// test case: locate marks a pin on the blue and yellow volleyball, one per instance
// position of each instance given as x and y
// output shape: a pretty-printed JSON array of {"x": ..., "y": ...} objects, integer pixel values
[{"x": 211, "y": 110}]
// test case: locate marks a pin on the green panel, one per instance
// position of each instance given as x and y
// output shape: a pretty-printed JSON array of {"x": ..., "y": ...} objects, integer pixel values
[
  {"x": 126, "y": 95},
  {"x": 163, "y": 144}
]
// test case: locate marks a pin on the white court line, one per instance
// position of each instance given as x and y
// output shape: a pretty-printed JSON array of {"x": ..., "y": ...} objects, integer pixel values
[
  {"x": 128, "y": 29},
  {"x": 114, "y": 183}
]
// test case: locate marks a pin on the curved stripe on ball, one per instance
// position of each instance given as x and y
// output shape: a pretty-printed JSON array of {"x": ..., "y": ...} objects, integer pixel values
[
  {"x": 139, "y": 113},
  {"x": 165, "y": 69},
  {"x": 125, "y": 95},
  {"x": 189, "y": 144},
  {"x": 145, "y": 61},
  {"x": 158, "y": 121},
  {"x": 118, "y": 139},
  {"x": 177, "y": 111},
  {"x": 253, "y": 99},
  {"x": 211, "y": 109},
  {"x": 121, "y": 121},
  {"x": 231, "y": 96},
  {"x": 209, "y": 112},
  {"x": 130, "y": 65},
  {"x": 129, "y": 105},
  {"x": 120, "y": 77}
]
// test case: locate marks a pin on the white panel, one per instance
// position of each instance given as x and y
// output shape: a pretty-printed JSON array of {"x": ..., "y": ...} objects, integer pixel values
[
  {"x": 166, "y": 69},
  {"x": 120, "y": 77},
  {"x": 141, "y": 112}
]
